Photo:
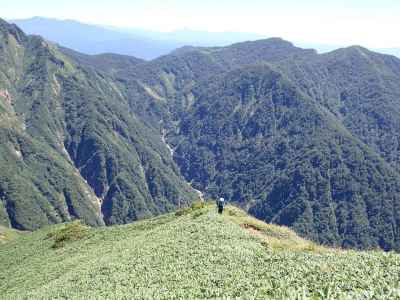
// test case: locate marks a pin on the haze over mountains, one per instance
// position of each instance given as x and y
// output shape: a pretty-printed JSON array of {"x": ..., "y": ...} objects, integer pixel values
[
  {"x": 297, "y": 138},
  {"x": 145, "y": 44}
]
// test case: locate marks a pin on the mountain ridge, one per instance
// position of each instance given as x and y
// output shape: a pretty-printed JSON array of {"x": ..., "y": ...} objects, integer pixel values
[
  {"x": 154, "y": 43},
  {"x": 194, "y": 253}
]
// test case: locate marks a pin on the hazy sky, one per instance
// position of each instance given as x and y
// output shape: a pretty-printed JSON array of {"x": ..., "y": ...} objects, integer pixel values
[{"x": 372, "y": 23}]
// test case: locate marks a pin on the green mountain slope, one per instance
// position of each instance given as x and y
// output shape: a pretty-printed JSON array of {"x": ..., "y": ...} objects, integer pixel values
[
  {"x": 361, "y": 89},
  {"x": 38, "y": 186},
  {"x": 198, "y": 254},
  {"x": 70, "y": 145}
]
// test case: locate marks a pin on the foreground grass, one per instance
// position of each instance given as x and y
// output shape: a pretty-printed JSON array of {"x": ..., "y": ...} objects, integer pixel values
[{"x": 194, "y": 254}]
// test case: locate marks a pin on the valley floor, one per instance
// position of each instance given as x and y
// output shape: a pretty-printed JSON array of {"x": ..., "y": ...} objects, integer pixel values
[{"x": 194, "y": 253}]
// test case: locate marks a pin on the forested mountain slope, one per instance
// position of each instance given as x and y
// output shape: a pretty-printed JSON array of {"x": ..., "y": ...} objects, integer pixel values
[
  {"x": 361, "y": 88},
  {"x": 71, "y": 148},
  {"x": 254, "y": 138}
]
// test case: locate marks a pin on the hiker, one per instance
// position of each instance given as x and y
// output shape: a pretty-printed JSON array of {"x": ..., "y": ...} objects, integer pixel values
[{"x": 220, "y": 205}]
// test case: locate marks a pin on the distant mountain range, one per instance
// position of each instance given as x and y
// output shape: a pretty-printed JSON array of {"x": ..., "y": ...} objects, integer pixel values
[
  {"x": 96, "y": 39},
  {"x": 144, "y": 44}
]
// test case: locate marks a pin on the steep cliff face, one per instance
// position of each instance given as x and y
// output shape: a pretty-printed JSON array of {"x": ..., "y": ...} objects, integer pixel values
[{"x": 71, "y": 147}]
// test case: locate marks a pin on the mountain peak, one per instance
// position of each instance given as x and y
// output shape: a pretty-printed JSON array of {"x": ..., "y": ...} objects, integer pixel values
[
  {"x": 4, "y": 25},
  {"x": 7, "y": 28},
  {"x": 354, "y": 49},
  {"x": 269, "y": 42},
  {"x": 275, "y": 46},
  {"x": 356, "y": 52}
]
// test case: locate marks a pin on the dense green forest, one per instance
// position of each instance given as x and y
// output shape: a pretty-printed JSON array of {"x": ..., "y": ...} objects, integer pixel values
[{"x": 294, "y": 137}]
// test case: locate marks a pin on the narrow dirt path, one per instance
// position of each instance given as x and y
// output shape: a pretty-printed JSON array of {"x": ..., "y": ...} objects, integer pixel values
[{"x": 252, "y": 230}]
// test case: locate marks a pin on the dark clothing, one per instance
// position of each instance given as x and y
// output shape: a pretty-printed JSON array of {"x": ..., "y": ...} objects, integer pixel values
[{"x": 220, "y": 205}]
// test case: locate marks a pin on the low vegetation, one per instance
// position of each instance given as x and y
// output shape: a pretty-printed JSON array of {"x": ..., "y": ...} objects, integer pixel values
[
  {"x": 71, "y": 232},
  {"x": 198, "y": 254},
  {"x": 7, "y": 234},
  {"x": 195, "y": 207},
  {"x": 273, "y": 236}
]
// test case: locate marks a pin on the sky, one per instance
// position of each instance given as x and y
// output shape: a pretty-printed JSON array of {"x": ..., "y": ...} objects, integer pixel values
[{"x": 371, "y": 23}]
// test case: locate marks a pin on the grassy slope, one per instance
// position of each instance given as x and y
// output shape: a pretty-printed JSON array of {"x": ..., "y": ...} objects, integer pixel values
[
  {"x": 8, "y": 234},
  {"x": 196, "y": 255}
]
